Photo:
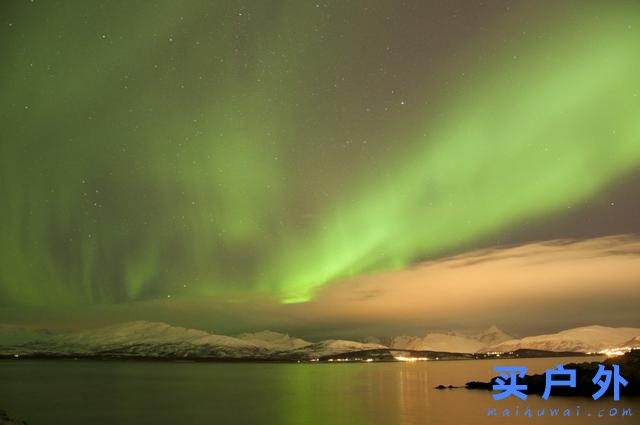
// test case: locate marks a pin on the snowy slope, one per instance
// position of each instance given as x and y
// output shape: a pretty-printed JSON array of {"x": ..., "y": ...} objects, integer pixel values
[
  {"x": 492, "y": 336},
  {"x": 632, "y": 343},
  {"x": 143, "y": 339},
  {"x": 151, "y": 333},
  {"x": 438, "y": 342},
  {"x": 452, "y": 342},
  {"x": 584, "y": 339},
  {"x": 332, "y": 347},
  {"x": 151, "y": 339},
  {"x": 273, "y": 341}
]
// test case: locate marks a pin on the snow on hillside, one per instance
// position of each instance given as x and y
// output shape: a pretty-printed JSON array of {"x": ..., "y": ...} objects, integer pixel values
[
  {"x": 140, "y": 339},
  {"x": 273, "y": 341},
  {"x": 147, "y": 333},
  {"x": 585, "y": 339},
  {"x": 452, "y": 342},
  {"x": 333, "y": 347},
  {"x": 492, "y": 336},
  {"x": 438, "y": 342},
  {"x": 151, "y": 339},
  {"x": 632, "y": 343}
]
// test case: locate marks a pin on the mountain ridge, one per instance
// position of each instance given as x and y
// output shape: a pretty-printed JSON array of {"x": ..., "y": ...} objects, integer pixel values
[
  {"x": 586, "y": 339},
  {"x": 161, "y": 340},
  {"x": 454, "y": 341}
]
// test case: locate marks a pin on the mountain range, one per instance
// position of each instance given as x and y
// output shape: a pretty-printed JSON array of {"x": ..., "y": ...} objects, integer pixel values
[
  {"x": 160, "y": 340},
  {"x": 588, "y": 339},
  {"x": 452, "y": 342}
]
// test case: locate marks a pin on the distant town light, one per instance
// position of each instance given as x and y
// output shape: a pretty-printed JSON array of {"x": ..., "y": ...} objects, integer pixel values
[{"x": 410, "y": 359}]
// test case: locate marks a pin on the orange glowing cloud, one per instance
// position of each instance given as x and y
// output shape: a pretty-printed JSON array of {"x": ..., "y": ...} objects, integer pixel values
[{"x": 598, "y": 279}]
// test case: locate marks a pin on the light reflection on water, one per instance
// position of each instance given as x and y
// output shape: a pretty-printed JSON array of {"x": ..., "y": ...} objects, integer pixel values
[{"x": 84, "y": 392}]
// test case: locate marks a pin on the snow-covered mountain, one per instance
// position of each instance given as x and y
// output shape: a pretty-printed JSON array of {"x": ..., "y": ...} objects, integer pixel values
[
  {"x": 492, "y": 336},
  {"x": 333, "y": 347},
  {"x": 438, "y": 342},
  {"x": 632, "y": 343},
  {"x": 160, "y": 340},
  {"x": 143, "y": 339},
  {"x": 452, "y": 342},
  {"x": 273, "y": 341},
  {"x": 586, "y": 339},
  {"x": 152, "y": 339},
  {"x": 141, "y": 332}
]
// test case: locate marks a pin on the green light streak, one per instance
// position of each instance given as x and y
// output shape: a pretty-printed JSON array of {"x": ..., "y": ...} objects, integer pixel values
[{"x": 150, "y": 162}]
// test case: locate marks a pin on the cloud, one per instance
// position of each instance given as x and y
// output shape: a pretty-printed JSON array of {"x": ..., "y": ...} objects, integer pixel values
[
  {"x": 527, "y": 289},
  {"x": 538, "y": 282}
]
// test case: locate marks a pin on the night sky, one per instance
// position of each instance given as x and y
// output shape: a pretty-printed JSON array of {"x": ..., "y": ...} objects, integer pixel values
[{"x": 343, "y": 167}]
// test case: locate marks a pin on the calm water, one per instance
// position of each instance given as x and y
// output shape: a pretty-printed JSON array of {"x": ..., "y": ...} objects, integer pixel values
[{"x": 114, "y": 393}]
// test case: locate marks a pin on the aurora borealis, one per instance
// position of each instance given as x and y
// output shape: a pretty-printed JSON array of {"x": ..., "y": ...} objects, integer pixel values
[{"x": 247, "y": 152}]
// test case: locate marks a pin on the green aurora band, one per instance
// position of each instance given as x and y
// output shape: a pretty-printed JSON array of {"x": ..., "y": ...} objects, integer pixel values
[{"x": 140, "y": 160}]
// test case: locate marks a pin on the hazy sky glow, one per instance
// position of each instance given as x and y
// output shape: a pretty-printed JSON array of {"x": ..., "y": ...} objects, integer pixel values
[{"x": 370, "y": 164}]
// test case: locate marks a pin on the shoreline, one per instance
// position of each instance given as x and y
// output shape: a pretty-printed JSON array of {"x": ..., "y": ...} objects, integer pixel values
[{"x": 351, "y": 357}]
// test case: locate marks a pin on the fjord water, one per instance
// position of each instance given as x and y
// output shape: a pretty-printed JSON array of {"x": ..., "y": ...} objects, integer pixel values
[{"x": 141, "y": 393}]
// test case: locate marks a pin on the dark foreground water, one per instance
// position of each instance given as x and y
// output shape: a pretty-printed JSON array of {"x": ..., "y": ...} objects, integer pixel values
[{"x": 137, "y": 393}]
